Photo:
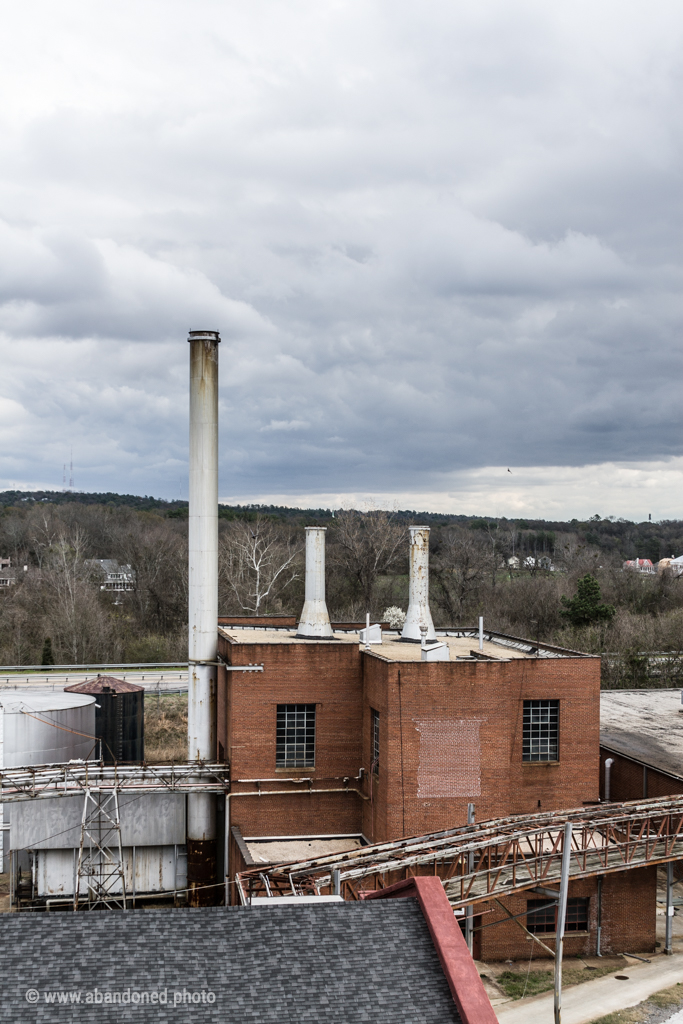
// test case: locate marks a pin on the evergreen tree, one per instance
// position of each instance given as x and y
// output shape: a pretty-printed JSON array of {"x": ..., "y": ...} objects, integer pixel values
[
  {"x": 586, "y": 607},
  {"x": 48, "y": 657}
]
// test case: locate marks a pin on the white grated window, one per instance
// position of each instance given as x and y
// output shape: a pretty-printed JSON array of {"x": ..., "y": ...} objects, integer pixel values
[
  {"x": 541, "y": 732},
  {"x": 295, "y": 745}
]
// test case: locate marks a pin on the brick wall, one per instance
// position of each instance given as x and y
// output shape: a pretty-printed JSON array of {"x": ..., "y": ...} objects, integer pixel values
[
  {"x": 451, "y": 733},
  {"x": 326, "y": 674},
  {"x": 628, "y": 920},
  {"x": 627, "y": 781}
]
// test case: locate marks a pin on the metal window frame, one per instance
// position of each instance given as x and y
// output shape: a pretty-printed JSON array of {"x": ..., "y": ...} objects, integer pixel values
[
  {"x": 374, "y": 737},
  {"x": 573, "y": 922},
  {"x": 295, "y": 736},
  {"x": 539, "y": 733}
]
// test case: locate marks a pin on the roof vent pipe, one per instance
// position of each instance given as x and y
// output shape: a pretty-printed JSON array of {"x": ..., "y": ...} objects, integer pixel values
[
  {"x": 315, "y": 621},
  {"x": 418, "y": 599}
]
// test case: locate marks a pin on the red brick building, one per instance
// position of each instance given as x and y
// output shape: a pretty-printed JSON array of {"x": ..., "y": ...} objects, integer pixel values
[
  {"x": 399, "y": 746},
  {"x": 336, "y": 742},
  {"x": 340, "y": 743}
]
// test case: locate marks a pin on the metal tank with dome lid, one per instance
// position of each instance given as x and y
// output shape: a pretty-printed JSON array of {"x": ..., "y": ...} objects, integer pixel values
[{"x": 120, "y": 717}]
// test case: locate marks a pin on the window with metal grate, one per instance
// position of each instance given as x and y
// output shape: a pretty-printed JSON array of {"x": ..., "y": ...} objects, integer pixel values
[
  {"x": 295, "y": 737},
  {"x": 541, "y": 730}
]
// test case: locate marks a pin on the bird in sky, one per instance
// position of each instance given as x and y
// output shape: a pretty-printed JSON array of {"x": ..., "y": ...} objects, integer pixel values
[{"x": 509, "y": 470}]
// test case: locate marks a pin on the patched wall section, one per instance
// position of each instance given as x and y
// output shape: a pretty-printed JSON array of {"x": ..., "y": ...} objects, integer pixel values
[{"x": 450, "y": 758}]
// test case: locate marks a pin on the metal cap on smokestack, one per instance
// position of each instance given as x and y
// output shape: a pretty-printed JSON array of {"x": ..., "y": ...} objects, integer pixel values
[
  {"x": 418, "y": 599},
  {"x": 202, "y": 606},
  {"x": 315, "y": 621}
]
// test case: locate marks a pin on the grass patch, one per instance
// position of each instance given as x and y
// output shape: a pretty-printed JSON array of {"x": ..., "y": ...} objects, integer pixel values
[
  {"x": 166, "y": 727},
  {"x": 514, "y": 983},
  {"x": 668, "y": 996}
]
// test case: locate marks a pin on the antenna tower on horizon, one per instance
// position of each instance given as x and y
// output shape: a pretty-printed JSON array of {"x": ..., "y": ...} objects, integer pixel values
[{"x": 71, "y": 471}]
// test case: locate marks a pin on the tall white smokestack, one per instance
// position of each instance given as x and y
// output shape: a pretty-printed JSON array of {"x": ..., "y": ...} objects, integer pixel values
[
  {"x": 202, "y": 605},
  {"x": 315, "y": 621},
  {"x": 418, "y": 600}
]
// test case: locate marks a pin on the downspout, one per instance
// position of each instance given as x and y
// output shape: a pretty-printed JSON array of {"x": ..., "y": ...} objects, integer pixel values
[{"x": 608, "y": 778}]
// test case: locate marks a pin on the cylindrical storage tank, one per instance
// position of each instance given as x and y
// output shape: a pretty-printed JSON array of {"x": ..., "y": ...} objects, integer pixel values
[
  {"x": 43, "y": 727},
  {"x": 120, "y": 717}
]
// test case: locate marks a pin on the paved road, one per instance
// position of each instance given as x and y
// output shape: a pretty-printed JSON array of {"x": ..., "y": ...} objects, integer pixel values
[
  {"x": 584, "y": 1003},
  {"x": 151, "y": 679}
]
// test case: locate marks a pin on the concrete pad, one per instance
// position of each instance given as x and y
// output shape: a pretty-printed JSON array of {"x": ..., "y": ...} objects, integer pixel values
[{"x": 593, "y": 999}]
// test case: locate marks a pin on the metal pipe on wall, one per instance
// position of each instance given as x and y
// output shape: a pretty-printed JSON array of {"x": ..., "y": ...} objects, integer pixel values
[
  {"x": 202, "y": 605},
  {"x": 418, "y": 595},
  {"x": 608, "y": 779}
]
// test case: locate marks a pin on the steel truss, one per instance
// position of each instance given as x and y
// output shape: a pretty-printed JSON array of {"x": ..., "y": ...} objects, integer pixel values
[
  {"x": 509, "y": 854},
  {"x": 78, "y": 777},
  {"x": 100, "y": 854}
]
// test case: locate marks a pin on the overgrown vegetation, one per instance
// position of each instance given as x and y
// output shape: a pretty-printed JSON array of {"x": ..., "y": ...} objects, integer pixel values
[
  {"x": 521, "y": 984},
  {"x": 561, "y": 583},
  {"x": 165, "y": 727}
]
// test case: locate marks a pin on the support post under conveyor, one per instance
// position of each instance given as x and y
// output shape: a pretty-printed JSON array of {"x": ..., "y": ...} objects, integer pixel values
[{"x": 203, "y": 611}]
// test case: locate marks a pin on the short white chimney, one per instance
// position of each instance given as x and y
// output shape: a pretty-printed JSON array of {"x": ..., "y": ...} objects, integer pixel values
[
  {"x": 315, "y": 621},
  {"x": 418, "y": 599}
]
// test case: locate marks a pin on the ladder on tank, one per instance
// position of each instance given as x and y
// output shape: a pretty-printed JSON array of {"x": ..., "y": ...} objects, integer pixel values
[{"x": 100, "y": 854}]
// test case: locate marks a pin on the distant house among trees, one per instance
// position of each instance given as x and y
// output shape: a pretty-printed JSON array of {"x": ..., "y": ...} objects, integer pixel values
[
  {"x": 115, "y": 577},
  {"x": 7, "y": 575},
  {"x": 640, "y": 565}
]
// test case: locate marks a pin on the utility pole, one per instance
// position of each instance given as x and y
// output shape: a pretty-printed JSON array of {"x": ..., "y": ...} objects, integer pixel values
[
  {"x": 469, "y": 911},
  {"x": 561, "y": 918}
]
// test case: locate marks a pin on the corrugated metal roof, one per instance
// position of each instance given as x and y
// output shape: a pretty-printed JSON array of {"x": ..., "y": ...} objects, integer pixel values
[
  {"x": 104, "y": 684},
  {"x": 646, "y": 725}
]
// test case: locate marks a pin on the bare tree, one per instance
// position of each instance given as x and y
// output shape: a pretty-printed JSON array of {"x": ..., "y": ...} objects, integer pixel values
[
  {"x": 365, "y": 545},
  {"x": 257, "y": 561},
  {"x": 460, "y": 566}
]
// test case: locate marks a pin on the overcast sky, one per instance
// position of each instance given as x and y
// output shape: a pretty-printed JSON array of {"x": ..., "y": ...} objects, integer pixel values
[{"x": 439, "y": 240}]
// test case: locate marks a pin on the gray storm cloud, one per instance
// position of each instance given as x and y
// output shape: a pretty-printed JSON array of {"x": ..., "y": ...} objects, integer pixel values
[{"x": 433, "y": 239}]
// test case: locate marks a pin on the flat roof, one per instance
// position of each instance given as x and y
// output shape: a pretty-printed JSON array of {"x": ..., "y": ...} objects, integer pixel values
[
  {"x": 645, "y": 725},
  {"x": 19, "y": 701},
  {"x": 279, "y": 851},
  {"x": 463, "y": 643}
]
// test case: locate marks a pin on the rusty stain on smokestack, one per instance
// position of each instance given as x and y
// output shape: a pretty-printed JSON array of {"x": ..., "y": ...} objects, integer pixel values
[
  {"x": 202, "y": 607},
  {"x": 418, "y": 613}
]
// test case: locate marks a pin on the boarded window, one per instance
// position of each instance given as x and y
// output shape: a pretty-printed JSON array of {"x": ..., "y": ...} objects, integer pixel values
[{"x": 450, "y": 758}]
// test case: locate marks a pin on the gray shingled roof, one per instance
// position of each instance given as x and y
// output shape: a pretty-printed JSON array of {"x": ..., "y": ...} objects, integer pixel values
[{"x": 333, "y": 963}]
